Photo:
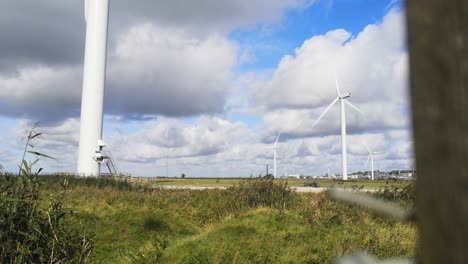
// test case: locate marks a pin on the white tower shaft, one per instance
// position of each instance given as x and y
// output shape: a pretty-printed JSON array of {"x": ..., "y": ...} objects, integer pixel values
[
  {"x": 97, "y": 12},
  {"x": 342, "y": 98},
  {"x": 274, "y": 162},
  {"x": 343, "y": 141},
  {"x": 372, "y": 166}
]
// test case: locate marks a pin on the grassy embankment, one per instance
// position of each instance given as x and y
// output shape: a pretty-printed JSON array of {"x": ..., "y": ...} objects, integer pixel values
[{"x": 253, "y": 222}]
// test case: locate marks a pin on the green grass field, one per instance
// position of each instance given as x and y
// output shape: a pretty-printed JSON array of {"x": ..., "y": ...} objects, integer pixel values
[
  {"x": 197, "y": 182},
  {"x": 367, "y": 184},
  {"x": 252, "y": 222}
]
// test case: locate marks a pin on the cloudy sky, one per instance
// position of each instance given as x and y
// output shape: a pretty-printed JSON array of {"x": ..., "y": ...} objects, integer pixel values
[{"x": 202, "y": 87}]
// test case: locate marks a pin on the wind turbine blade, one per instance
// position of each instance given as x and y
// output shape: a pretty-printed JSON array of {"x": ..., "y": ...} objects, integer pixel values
[
  {"x": 367, "y": 147},
  {"x": 337, "y": 86},
  {"x": 326, "y": 110},
  {"x": 276, "y": 141},
  {"x": 86, "y": 6},
  {"x": 377, "y": 152},
  {"x": 368, "y": 158},
  {"x": 353, "y": 106}
]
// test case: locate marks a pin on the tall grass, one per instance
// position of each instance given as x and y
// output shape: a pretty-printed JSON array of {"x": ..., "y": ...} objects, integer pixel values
[
  {"x": 31, "y": 232},
  {"x": 52, "y": 181},
  {"x": 255, "y": 221},
  {"x": 261, "y": 193},
  {"x": 312, "y": 228}
]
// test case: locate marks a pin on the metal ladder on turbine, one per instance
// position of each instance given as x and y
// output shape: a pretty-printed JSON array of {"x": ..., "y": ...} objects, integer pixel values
[{"x": 110, "y": 163}]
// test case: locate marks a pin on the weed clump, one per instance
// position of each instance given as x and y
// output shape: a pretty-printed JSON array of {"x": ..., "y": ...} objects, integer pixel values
[
  {"x": 405, "y": 196},
  {"x": 261, "y": 193},
  {"x": 214, "y": 205}
]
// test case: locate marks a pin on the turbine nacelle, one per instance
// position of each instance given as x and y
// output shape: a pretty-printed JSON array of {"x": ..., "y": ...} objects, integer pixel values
[
  {"x": 372, "y": 153},
  {"x": 346, "y": 95}
]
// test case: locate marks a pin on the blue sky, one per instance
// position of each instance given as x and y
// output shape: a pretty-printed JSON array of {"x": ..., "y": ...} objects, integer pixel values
[
  {"x": 270, "y": 43},
  {"x": 222, "y": 79}
]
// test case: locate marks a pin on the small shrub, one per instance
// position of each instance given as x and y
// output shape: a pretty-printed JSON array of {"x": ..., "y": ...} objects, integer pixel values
[{"x": 405, "y": 196}]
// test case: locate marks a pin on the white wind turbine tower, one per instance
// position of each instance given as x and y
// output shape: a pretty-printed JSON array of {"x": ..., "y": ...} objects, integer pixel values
[
  {"x": 91, "y": 144},
  {"x": 371, "y": 157},
  {"x": 274, "y": 155},
  {"x": 343, "y": 101}
]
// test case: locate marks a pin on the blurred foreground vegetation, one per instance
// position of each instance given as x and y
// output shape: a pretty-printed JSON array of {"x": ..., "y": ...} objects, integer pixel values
[
  {"x": 254, "y": 221},
  {"x": 34, "y": 228}
]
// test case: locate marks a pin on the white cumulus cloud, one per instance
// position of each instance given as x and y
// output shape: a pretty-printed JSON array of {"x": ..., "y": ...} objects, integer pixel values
[
  {"x": 156, "y": 70},
  {"x": 372, "y": 66}
]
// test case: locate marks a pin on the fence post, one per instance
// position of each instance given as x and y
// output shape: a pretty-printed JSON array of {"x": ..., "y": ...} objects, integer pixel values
[{"x": 438, "y": 52}]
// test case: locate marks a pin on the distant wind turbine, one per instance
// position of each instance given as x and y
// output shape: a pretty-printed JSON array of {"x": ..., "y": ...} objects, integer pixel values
[
  {"x": 371, "y": 157},
  {"x": 274, "y": 155},
  {"x": 342, "y": 98}
]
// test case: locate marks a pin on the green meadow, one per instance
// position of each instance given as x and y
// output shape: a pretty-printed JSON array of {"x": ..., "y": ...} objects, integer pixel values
[
  {"x": 253, "y": 221},
  {"x": 226, "y": 182}
]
